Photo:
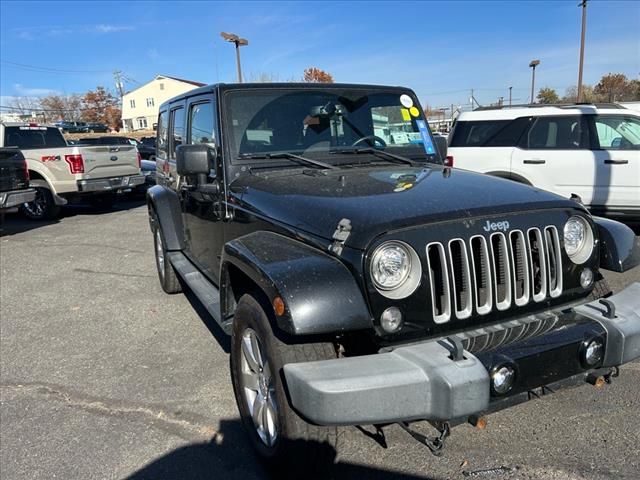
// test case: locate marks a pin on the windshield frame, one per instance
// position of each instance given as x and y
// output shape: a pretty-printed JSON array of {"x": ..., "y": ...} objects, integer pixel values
[{"x": 236, "y": 163}]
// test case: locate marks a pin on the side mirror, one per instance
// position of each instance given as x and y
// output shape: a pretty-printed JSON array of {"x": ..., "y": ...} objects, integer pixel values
[
  {"x": 441, "y": 145},
  {"x": 195, "y": 159}
]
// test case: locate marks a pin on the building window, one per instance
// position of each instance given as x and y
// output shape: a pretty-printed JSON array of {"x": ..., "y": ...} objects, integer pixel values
[
  {"x": 150, "y": 102},
  {"x": 132, "y": 103},
  {"x": 162, "y": 86},
  {"x": 142, "y": 122}
]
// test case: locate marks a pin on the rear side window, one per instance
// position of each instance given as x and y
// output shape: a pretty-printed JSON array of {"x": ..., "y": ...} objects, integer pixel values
[
  {"x": 557, "y": 133},
  {"x": 617, "y": 132},
  {"x": 27, "y": 138},
  {"x": 201, "y": 126},
  {"x": 476, "y": 134},
  {"x": 161, "y": 139},
  {"x": 177, "y": 130}
]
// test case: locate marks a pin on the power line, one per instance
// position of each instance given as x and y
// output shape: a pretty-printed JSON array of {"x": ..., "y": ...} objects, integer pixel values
[{"x": 25, "y": 66}]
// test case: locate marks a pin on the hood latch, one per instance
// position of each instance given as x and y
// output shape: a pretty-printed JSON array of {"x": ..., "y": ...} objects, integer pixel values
[{"x": 343, "y": 230}]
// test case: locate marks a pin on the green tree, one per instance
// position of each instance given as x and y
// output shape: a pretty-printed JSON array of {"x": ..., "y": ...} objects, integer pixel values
[{"x": 547, "y": 95}]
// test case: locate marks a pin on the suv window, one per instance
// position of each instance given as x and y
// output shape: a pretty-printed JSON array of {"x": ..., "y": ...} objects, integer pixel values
[
  {"x": 161, "y": 139},
  {"x": 27, "y": 138},
  {"x": 476, "y": 134},
  {"x": 616, "y": 132},
  {"x": 177, "y": 130},
  {"x": 201, "y": 126},
  {"x": 557, "y": 133}
]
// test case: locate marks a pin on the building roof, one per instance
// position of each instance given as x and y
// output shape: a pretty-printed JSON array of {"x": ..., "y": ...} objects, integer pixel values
[{"x": 157, "y": 77}]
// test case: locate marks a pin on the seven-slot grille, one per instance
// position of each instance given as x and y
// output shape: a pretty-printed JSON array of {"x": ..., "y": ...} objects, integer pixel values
[{"x": 493, "y": 272}]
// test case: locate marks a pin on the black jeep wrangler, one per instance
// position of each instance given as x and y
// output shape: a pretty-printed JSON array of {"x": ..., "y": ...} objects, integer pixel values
[{"x": 364, "y": 282}]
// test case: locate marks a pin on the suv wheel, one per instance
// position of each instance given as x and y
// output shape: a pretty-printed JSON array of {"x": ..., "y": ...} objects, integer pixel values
[
  {"x": 168, "y": 278},
  {"x": 43, "y": 207},
  {"x": 277, "y": 433}
]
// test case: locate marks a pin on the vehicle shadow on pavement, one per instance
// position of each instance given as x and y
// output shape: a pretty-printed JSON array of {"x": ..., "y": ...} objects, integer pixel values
[
  {"x": 229, "y": 456},
  {"x": 14, "y": 223},
  {"x": 222, "y": 338}
]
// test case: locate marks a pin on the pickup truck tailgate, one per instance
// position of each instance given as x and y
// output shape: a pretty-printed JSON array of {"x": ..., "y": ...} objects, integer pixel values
[
  {"x": 13, "y": 174},
  {"x": 109, "y": 161}
]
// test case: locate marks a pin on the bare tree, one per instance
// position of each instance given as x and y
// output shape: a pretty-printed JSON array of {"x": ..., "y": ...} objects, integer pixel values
[{"x": 23, "y": 105}]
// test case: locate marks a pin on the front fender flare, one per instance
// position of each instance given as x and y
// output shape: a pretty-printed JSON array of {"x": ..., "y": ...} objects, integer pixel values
[
  {"x": 319, "y": 292},
  {"x": 619, "y": 246},
  {"x": 168, "y": 213}
]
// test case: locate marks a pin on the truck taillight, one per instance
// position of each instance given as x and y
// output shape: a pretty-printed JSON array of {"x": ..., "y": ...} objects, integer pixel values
[
  {"x": 448, "y": 161},
  {"x": 76, "y": 164},
  {"x": 139, "y": 160}
]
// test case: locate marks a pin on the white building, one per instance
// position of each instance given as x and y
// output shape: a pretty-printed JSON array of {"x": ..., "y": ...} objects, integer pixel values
[{"x": 140, "y": 106}]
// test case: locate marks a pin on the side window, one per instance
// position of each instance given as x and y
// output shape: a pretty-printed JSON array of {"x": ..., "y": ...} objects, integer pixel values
[
  {"x": 177, "y": 130},
  {"x": 617, "y": 132},
  {"x": 557, "y": 133},
  {"x": 476, "y": 134},
  {"x": 510, "y": 135},
  {"x": 161, "y": 139},
  {"x": 201, "y": 123}
]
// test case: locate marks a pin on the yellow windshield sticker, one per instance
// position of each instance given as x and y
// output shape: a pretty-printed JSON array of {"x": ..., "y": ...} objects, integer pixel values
[
  {"x": 414, "y": 111},
  {"x": 405, "y": 114}
]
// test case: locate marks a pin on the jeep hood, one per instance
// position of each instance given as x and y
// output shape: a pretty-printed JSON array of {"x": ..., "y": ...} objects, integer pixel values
[{"x": 378, "y": 199}]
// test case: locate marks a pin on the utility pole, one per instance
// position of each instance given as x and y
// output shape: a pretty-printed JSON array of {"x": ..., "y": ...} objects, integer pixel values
[
  {"x": 533, "y": 64},
  {"x": 510, "y": 88},
  {"x": 117, "y": 75},
  {"x": 582, "y": 4},
  {"x": 239, "y": 42}
]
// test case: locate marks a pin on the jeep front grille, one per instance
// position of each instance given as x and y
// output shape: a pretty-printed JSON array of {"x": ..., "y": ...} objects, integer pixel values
[{"x": 497, "y": 272}]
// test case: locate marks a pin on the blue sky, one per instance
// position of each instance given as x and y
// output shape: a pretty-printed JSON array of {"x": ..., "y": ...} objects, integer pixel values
[{"x": 440, "y": 49}]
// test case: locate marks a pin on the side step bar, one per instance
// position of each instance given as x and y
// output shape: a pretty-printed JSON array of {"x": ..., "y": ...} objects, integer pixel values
[{"x": 206, "y": 292}]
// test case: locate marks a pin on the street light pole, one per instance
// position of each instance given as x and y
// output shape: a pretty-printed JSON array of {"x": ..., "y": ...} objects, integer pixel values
[
  {"x": 582, "y": 4},
  {"x": 510, "y": 88},
  {"x": 533, "y": 64},
  {"x": 239, "y": 42}
]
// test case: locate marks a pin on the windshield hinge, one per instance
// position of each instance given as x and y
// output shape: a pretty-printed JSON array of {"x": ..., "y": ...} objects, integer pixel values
[{"x": 343, "y": 230}]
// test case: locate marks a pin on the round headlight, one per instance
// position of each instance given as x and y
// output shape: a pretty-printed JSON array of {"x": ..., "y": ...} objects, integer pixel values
[
  {"x": 395, "y": 269},
  {"x": 390, "y": 265},
  {"x": 578, "y": 240}
]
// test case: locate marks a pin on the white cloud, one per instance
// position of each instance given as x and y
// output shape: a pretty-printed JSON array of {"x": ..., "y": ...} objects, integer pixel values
[
  {"x": 108, "y": 28},
  {"x": 23, "y": 91}
]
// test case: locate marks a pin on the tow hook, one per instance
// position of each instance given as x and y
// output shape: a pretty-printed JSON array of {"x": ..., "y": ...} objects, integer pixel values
[{"x": 435, "y": 445}]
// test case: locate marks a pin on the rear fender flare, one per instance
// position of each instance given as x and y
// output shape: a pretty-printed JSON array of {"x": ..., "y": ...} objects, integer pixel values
[
  {"x": 165, "y": 204},
  {"x": 319, "y": 292}
]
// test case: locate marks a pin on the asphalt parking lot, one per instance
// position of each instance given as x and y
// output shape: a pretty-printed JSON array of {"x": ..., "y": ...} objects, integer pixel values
[{"x": 102, "y": 375}]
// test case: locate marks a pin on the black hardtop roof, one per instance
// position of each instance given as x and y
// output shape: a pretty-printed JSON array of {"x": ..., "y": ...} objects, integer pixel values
[{"x": 224, "y": 87}]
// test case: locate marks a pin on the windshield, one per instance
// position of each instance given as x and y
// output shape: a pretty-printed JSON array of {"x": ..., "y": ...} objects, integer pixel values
[{"x": 321, "y": 121}]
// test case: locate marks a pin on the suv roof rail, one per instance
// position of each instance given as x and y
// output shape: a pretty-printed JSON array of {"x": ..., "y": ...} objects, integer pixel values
[{"x": 558, "y": 105}]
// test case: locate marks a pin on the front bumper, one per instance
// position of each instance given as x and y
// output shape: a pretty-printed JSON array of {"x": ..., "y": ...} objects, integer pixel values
[
  {"x": 424, "y": 382},
  {"x": 14, "y": 198},
  {"x": 110, "y": 184}
]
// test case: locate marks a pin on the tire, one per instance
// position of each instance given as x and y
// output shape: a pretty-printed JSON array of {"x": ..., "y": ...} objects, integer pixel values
[
  {"x": 43, "y": 207},
  {"x": 166, "y": 274},
  {"x": 288, "y": 443},
  {"x": 601, "y": 289}
]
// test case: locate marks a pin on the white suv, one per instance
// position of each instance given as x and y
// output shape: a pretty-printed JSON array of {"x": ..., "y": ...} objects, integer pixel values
[{"x": 589, "y": 150}]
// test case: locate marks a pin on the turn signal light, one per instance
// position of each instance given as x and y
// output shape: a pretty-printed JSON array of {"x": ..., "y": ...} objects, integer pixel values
[{"x": 76, "y": 164}]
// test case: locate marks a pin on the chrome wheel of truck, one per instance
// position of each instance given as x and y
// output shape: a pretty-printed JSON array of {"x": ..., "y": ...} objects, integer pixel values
[{"x": 258, "y": 388}]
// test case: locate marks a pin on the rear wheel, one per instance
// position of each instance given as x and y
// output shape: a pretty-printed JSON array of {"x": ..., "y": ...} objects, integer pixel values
[
  {"x": 167, "y": 275},
  {"x": 277, "y": 433},
  {"x": 43, "y": 207}
]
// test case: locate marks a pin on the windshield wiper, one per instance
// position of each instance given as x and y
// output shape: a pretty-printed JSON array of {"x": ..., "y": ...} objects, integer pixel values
[
  {"x": 377, "y": 153},
  {"x": 288, "y": 156}
]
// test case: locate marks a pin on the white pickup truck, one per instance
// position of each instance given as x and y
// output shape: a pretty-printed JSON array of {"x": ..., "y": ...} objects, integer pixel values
[{"x": 63, "y": 173}]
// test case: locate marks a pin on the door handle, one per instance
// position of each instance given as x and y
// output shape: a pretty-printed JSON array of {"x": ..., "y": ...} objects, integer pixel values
[
  {"x": 534, "y": 162},
  {"x": 616, "y": 162}
]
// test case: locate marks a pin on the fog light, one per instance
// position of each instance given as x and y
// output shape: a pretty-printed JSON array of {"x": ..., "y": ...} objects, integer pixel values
[
  {"x": 586, "y": 278},
  {"x": 593, "y": 352},
  {"x": 391, "y": 319},
  {"x": 502, "y": 379}
]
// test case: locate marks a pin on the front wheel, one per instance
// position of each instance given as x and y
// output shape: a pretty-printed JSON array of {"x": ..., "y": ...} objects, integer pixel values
[
  {"x": 282, "y": 439},
  {"x": 43, "y": 207}
]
